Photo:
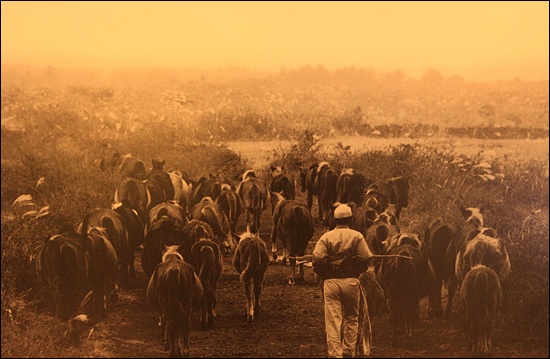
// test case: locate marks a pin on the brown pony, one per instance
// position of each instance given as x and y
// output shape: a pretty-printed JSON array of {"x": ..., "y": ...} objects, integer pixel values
[
  {"x": 210, "y": 212},
  {"x": 63, "y": 265},
  {"x": 207, "y": 261},
  {"x": 193, "y": 231},
  {"x": 255, "y": 198},
  {"x": 116, "y": 233},
  {"x": 481, "y": 295},
  {"x": 251, "y": 260},
  {"x": 164, "y": 229},
  {"x": 173, "y": 289},
  {"x": 102, "y": 270},
  {"x": 405, "y": 282},
  {"x": 293, "y": 225},
  {"x": 396, "y": 190},
  {"x": 231, "y": 205},
  {"x": 281, "y": 183}
]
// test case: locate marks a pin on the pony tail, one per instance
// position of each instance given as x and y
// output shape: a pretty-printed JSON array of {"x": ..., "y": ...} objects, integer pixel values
[
  {"x": 253, "y": 262},
  {"x": 208, "y": 259}
]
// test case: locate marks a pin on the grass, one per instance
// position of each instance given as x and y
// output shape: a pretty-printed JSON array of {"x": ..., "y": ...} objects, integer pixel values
[{"x": 58, "y": 133}]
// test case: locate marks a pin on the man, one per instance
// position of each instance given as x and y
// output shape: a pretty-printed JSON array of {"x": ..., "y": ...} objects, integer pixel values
[{"x": 340, "y": 255}]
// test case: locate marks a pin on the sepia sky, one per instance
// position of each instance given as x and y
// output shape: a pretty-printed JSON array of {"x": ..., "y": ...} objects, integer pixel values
[{"x": 475, "y": 40}]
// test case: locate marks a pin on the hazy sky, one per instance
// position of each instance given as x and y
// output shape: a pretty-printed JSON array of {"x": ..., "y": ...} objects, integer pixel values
[{"x": 476, "y": 40}]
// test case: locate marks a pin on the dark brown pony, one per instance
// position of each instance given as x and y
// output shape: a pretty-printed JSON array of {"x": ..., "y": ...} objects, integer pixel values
[
  {"x": 481, "y": 295},
  {"x": 116, "y": 233},
  {"x": 308, "y": 184},
  {"x": 173, "y": 289},
  {"x": 206, "y": 187},
  {"x": 210, "y": 212},
  {"x": 164, "y": 229},
  {"x": 159, "y": 183},
  {"x": 63, "y": 266},
  {"x": 231, "y": 205},
  {"x": 255, "y": 198},
  {"x": 134, "y": 226},
  {"x": 207, "y": 261},
  {"x": 251, "y": 260},
  {"x": 405, "y": 282},
  {"x": 170, "y": 209},
  {"x": 281, "y": 183},
  {"x": 320, "y": 180},
  {"x": 193, "y": 231},
  {"x": 103, "y": 265},
  {"x": 396, "y": 190},
  {"x": 293, "y": 225}
]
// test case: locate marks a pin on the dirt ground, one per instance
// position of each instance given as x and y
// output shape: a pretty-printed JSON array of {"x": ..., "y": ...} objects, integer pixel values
[{"x": 291, "y": 324}]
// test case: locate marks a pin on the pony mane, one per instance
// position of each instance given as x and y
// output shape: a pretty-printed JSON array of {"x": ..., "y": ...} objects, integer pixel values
[
  {"x": 321, "y": 165},
  {"x": 248, "y": 174},
  {"x": 171, "y": 251}
]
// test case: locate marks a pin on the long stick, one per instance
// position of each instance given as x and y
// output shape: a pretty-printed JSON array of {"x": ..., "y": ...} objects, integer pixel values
[
  {"x": 308, "y": 257},
  {"x": 391, "y": 256}
]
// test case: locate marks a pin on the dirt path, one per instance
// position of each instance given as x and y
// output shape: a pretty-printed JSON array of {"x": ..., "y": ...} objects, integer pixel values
[{"x": 291, "y": 324}]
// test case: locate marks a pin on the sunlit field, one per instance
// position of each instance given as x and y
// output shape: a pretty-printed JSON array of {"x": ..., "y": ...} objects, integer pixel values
[
  {"x": 461, "y": 144},
  {"x": 258, "y": 152}
]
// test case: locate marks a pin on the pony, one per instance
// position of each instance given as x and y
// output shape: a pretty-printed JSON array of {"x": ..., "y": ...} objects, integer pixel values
[
  {"x": 405, "y": 281},
  {"x": 159, "y": 183},
  {"x": 231, "y": 205},
  {"x": 183, "y": 191},
  {"x": 131, "y": 167},
  {"x": 255, "y": 198},
  {"x": 102, "y": 266},
  {"x": 281, "y": 183},
  {"x": 396, "y": 190},
  {"x": 134, "y": 227},
  {"x": 63, "y": 265},
  {"x": 207, "y": 261},
  {"x": 293, "y": 225},
  {"x": 116, "y": 233},
  {"x": 173, "y": 290},
  {"x": 480, "y": 295},
  {"x": 164, "y": 229},
  {"x": 251, "y": 260},
  {"x": 135, "y": 193},
  {"x": 210, "y": 212},
  {"x": 170, "y": 209},
  {"x": 472, "y": 220}
]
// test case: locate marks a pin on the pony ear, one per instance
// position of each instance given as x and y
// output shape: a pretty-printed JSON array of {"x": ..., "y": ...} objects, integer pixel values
[
  {"x": 472, "y": 234},
  {"x": 464, "y": 212}
]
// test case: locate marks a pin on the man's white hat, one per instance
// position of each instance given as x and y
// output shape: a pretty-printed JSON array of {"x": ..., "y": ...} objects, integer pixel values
[{"x": 342, "y": 211}]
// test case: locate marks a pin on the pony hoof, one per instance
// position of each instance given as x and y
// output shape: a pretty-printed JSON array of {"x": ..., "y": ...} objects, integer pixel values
[{"x": 291, "y": 281}]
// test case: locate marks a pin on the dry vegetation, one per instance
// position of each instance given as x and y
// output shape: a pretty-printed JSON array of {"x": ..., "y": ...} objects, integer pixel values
[{"x": 54, "y": 125}]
